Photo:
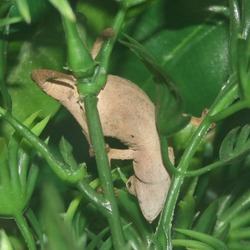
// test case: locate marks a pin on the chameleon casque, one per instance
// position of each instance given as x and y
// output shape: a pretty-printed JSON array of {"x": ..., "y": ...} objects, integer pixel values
[{"x": 127, "y": 114}]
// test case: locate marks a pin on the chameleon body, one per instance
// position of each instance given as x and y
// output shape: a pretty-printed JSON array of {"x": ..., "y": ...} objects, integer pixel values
[{"x": 127, "y": 114}]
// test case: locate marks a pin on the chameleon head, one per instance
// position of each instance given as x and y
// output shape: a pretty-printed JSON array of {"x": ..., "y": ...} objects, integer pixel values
[{"x": 151, "y": 196}]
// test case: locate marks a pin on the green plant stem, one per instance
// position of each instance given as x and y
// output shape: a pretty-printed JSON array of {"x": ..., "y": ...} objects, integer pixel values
[
  {"x": 163, "y": 232},
  {"x": 108, "y": 45},
  {"x": 234, "y": 31},
  {"x": 100, "y": 77},
  {"x": 36, "y": 226},
  {"x": 206, "y": 169},
  {"x": 3, "y": 52},
  {"x": 24, "y": 228},
  {"x": 225, "y": 98},
  {"x": 97, "y": 140},
  {"x": 58, "y": 167}
]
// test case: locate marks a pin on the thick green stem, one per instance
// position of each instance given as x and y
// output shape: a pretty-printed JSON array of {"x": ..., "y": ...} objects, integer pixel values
[
  {"x": 98, "y": 143},
  {"x": 24, "y": 228}
]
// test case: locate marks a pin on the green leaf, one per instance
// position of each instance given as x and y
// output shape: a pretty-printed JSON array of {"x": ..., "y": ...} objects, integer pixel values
[
  {"x": 8, "y": 21},
  {"x": 23, "y": 7},
  {"x": 236, "y": 145},
  {"x": 67, "y": 152},
  {"x": 95, "y": 242},
  {"x": 188, "y": 41},
  {"x": 232, "y": 211},
  {"x": 4, "y": 171},
  {"x": 243, "y": 68},
  {"x": 207, "y": 219},
  {"x": 131, "y": 3},
  {"x": 5, "y": 243},
  {"x": 185, "y": 213},
  {"x": 64, "y": 8},
  {"x": 204, "y": 238},
  {"x": 40, "y": 46}
]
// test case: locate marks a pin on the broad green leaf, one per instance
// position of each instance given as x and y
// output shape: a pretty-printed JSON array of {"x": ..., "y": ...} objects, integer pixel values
[
  {"x": 40, "y": 47},
  {"x": 190, "y": 44},
  {"x": 236, "y": 145}
]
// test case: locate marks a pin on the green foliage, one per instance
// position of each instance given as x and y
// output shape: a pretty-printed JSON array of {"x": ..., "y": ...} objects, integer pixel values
[
  {"x": 196, "y": 55},
  {"x": 235, "y": 145}
]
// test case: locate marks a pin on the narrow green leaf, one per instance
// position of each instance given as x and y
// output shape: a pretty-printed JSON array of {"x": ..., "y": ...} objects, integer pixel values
[
  {"x": 23, "y": 7},
  {"x": 5, "y": 241},
  {"x": 64, "y": 8},
  {"x": 4, "y": 167},
  {"x": 236, "y": 145},
  {"x": 231, "y": 213},
  {"x": 192, "y": 244},
  {"x": 107, "y": 245},
  {"x": 242, "y": 234},
  {"x": 185, "y": 214},
  {"x": 243, "y": 68},
  {"x": 245, "y": 18},
  {"x": 207, "y": 219},
  {"x": 131, "y": 3},
  {"x": 39, "y": 127},
  {"x": 67, "y": 152},
  {"x": 96, "y": 240},
  {"x": 10, "y": 20},
  {"x": 204, "y": 238},
  {"x": 243, "y": 220}
]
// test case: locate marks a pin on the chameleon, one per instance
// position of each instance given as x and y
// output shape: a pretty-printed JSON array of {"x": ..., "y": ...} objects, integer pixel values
[{"x": 126, "y": 113}]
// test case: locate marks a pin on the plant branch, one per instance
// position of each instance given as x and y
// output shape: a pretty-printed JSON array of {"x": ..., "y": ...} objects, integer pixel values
[
  {"x": 60, "y": 168},
  {"x": 24, "y": 228},
  {"x": 3, "y": 54},
  {"x": 225, "y": 98},
  {"x": 206, "y": 169},
  {"x": 97, "y": 140}
]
